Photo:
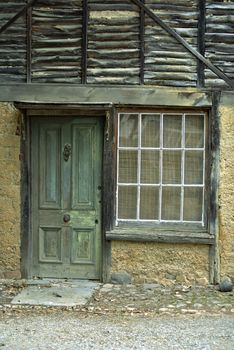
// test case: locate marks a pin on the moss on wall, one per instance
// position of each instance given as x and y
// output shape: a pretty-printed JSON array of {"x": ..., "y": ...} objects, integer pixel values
[{"x": 9, "y": 192}]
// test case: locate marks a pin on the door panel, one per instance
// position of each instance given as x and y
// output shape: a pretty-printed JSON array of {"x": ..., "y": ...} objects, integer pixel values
[
  {"x": 83, "y": 246},
  {"x": 66, "y": 198},
  {"x": 50, "y": 191},
  {"x": 83, "y": 195},
  {"x": 50, "y": 244}
]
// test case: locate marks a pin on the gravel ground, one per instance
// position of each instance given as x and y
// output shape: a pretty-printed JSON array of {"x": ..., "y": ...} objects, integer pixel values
[
  {"x": 72, "y": 331},
  {"x": 122, "y": 317}
]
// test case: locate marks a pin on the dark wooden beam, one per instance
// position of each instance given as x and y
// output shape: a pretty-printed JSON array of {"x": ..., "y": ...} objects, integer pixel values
[
  {"x": 18, "y": 15},
  {"x": 214, "y": 186},
  {"x": 142, "y": 44},
  {"x": 149, "y": 235},
  {"x": 201, "y": 41},
  {"x": 84, "y": 42},
  {"x": 88, "y": 94},
  {"x": 108, "y": 187},
  {"x": 182, "y": 41},
  {"x": 29, "y": 43},
  {"x": 25, "y": 196}
]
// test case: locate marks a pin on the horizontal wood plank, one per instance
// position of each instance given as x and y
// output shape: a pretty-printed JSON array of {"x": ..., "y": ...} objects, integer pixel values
[
  {"x": 219, "y": 39},
  {"x": 145, "y": 234},
  {"x": 12, "y": 43},
  {"x": 121, "y": 95}
]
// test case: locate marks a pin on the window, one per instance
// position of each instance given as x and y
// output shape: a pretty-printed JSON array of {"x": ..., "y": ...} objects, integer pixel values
[{"x": 161, "y": 167}]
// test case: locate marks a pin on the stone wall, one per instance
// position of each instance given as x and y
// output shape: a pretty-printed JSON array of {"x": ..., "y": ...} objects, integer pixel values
[
  {"x": 9, "y": 192},
  {"x": 226, "y": 189},
  {"x": 161, "y": 263}
]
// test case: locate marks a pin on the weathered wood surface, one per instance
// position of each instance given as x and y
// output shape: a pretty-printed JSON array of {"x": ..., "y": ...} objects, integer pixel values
[
  {"x": 214, "y": 253},
  {"x": 146, "y": 234},
  {"x": 119, "y": 37},
  {"x": 219, "y": 39},
  {"x": 113, "y": 43},
  {"x": 56, "y": 41},
  {"x": 12, "y": 43},
  {"x": 88, "y": 94},
  {"x": 166, "y": 61}
]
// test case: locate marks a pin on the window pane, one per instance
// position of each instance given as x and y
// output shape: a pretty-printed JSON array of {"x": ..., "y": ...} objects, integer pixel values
[
  {"x": 127, "y": 166},
  {"x": 172, "y": 167},
  {"x": 127, "y": 200},
  {"x": 150, "y": 167},
  {"x": 194, "y": 131},
  {"x": 128, "y": 130},
  {"x": 150, "y": 176},
  {"x": 193, "y": 197},
  {"x": 171, "y": 203},
  {"x": 172, "y": 131},
  {"x": 150, "y": 130},
  {"x": 193, "y": 167},
  {"x": 149, "y": 203}
]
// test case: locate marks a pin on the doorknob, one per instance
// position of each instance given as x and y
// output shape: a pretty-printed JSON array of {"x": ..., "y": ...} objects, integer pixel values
[
  {"x": 67, "y": 152},
  {"x": 66, "y": 218}
]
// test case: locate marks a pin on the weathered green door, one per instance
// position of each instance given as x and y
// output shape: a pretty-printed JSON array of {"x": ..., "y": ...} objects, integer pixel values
[{"x": 66, "y": 197}]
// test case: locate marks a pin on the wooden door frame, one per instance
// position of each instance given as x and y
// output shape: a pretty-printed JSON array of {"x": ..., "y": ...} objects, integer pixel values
[{"x": 108, "y": 168}]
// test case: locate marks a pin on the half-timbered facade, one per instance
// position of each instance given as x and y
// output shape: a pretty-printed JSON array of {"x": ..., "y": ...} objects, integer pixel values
[{"x": 116, "y": 139}]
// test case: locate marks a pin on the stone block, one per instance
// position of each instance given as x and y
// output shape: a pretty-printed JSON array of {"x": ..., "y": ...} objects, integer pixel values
[
  {"x": 225, "y": 285},
  {"x": 121, "y": 278}
]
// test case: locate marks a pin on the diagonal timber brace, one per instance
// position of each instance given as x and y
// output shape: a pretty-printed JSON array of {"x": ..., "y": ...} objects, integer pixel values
[
  {"x": 182, "y": 41},
  {"x": 18, "y": 15}
]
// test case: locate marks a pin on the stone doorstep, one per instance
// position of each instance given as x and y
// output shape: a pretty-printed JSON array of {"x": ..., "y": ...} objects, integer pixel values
[{"x": 56, "y": 293}]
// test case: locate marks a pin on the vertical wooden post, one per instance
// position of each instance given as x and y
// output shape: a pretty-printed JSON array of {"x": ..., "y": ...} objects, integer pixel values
[
  {"x": 214, "y": 186},
  {"x": 108, "y": 194},
  {"x": 142, "y": 44},
  {"x": 84, "y": 42},
  {"x": 29, "y": 43},
  {"x": 201, "y": 41},
  {"x": 25, "y": 196}
]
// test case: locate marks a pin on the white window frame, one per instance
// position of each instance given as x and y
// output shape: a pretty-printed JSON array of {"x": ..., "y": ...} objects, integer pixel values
[{"x": 182, "y": 185}]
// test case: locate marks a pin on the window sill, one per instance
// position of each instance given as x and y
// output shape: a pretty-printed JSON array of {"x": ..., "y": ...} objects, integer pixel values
[{"x": 150, "y": 234}]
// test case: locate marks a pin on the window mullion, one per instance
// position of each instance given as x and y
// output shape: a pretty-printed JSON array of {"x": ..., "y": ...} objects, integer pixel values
[
  {"x": 161, "y": 167},
  {"x": 117, "y": 187},
  {"x": 204, "y": 168},
  {"x": 139, "y": 168},
  {"x": 182, "y": 168}
]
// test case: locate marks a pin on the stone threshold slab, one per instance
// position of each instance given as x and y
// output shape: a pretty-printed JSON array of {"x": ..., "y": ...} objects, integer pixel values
[{"x": 56, "y": 293}]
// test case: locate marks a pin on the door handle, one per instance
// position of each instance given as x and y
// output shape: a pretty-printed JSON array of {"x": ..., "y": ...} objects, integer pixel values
[
  {"x": 66, "y": 218},
  {"x": 67, "y": 152}
]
